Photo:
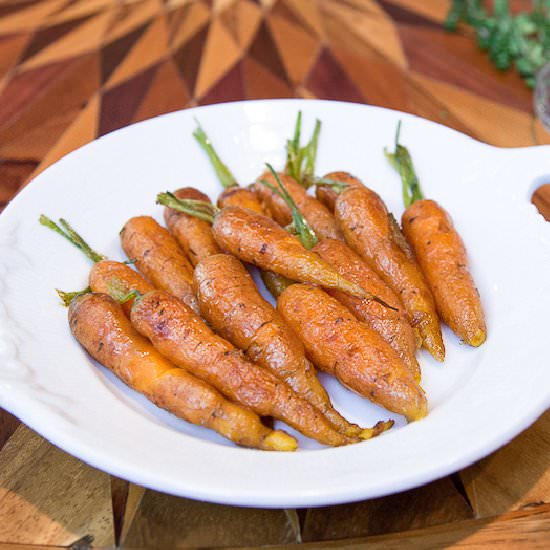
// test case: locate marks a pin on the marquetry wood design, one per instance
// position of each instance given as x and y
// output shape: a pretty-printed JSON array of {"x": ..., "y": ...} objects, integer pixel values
[{"x": 73, "y": 70}]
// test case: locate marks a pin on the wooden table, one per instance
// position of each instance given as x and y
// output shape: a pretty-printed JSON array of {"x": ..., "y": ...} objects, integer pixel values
[{"x": 73, "y": 70}]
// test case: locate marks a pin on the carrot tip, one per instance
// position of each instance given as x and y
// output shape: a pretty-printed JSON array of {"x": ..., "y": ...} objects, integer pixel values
[
  {"x": 478, "y": 338},
  {"x": 377, "y": 429},
  {"x": 279, "y": 441}
]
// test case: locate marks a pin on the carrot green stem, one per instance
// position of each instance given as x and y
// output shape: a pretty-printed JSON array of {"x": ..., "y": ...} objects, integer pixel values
[
  {"x": 200, "y": 209},
  {"x": 311, "y": 153},
  {"x": 299, "y": 227},
  {"x": 401, "y": 160},
  {"x": 293, "y": 151},
  {"x": 120, "y": 292},
  {"x": 72, "y": 236},
  {"x": 300, "y": 161},
  {"x": 68, "y": 297},
  {"x": 227, "y": 179}
]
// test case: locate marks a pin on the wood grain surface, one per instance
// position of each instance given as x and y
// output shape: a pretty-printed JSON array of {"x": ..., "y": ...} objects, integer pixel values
[{"x": 73, "y": 70}]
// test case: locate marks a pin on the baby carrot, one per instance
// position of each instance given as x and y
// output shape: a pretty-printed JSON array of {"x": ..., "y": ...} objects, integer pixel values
[
  {"x": 193, "y": 234},
  {"x": 231, "y": 303},
  {"x": 391, "y": 324},
  {"x": 441, "y": 254},
  {"x": 100, "y": 326},
  {"x": 338, "y": 343},
  {"x": 261, "y": 241},
  {"x": 317, "y": 215},
  {"x": 373, "y": 233},
  {"x": 158, "y": 256},
  {"x": 183, "y": 338}
]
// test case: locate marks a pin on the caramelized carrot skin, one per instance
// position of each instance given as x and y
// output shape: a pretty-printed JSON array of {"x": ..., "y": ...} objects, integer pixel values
[
  {"x": 230, "y": 301},
  {"x": 327, "y": 195},
  {"x": 243, "y": 197},
  {"x": 108, "y": 274},
  {"x": 392, "y": 325},
  {"x": 341, "y": 345},
  {"x": 369, "y": 230},
  {"x": 317, "y": 215},
  {"x": 159, "y": 257},
  {"x": 261, "y": 241},
  {"x": 442, "y": 257},
  {"x": 100, "y": 325},
  {"x": 183, "y": 338},
  {"x": 192, "y": 234}
]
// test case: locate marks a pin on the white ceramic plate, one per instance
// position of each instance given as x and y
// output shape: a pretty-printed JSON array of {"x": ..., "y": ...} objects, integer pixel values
[{"x": 479, "y": 399}]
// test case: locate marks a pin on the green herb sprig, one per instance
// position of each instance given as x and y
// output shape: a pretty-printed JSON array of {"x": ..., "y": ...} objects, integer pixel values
[{"x": 521, "y": 40}]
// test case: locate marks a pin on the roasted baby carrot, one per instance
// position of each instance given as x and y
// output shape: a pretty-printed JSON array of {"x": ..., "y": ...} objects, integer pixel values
[
  {"x": 391, "y": 324},
  {"x": 373, "y": 233},
  {"x": 326, "y": 188},
  {"x": 183, "y": 338},
  {"x": 338, "y": 343},
  {"x": 261, "y": 241},
  {"x": 441, "y": 254},
  {"x": 101, "y": 327},
  {"x": 231, "y": 303},
  {"x": 317, "y": 215},
  {"x": 158, "y": 256},
  {"x": 193, "y": 234},
  {"x": 118, "y": 280}
]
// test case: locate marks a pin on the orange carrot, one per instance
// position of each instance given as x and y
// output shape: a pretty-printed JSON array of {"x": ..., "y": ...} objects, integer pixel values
[
  {"x": 316, "y": 214},
  {"x": 337, "y": 342},
  {"x": 371, "y": 231},
  {"x": 183, "y": 338},
  {"x": 441, "y": 254},
  {"x": 100, "y": 326},
  {"x": 261, "y": 241},
  {"x": 231, "y": 303},
  {"x": 159, "y": 257},
  {"x": 193, "y": 234}
]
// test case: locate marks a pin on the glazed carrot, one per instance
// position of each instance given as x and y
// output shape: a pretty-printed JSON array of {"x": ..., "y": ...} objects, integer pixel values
[
  {"x": 441, "y": 254},
  {"x": 316, "y": 214},
  {"x": 232, "y": 305},
  {"x": 118, "y": 280},
  {"x": 243, "y": 197},
  {"x": 159, "y": 257},
  {"x": 372, "y": 232},
  {"x": 100, "y": 326},
  {"x": 391, "y": 324},
  {"x": 326, "y": 188},
  {"x": 192, "y": 234},
  {"x": 261, "y": 241},
  {"x": 183, "y": 338},
  {"x": 338, "y": 343}
]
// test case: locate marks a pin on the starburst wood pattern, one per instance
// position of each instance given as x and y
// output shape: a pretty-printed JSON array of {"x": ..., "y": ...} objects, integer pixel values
[{"x": 73, "y": 70}]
